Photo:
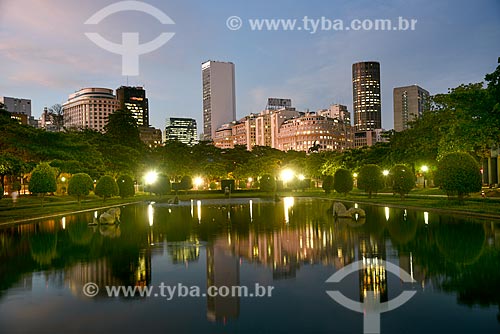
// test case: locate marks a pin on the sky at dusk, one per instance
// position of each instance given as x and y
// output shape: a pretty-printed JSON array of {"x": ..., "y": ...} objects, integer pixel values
[{"x": 45, "y": 56}]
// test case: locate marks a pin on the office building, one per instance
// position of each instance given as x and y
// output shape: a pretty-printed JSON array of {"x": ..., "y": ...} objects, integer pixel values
[
  {"x": 409, "y": 104},
  {"x": 366, "y": 96},
  {"x": 17, "y": 105},
  {"x": 219, "y": 101},
  {"x": 181, "y": 129},
  {"x": 150, "y": 136},
  {"x": 89, "y": 108},
  {"x": 134, "y": 100},
  {"x": 339, "y": 112}
]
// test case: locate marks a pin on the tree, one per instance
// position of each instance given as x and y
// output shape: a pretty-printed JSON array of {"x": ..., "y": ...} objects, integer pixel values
[
  {"x": 106, "y": 187},
  {"x": 161, "y": 185},
  {"x": 56, "y": 114},
  {"x": 370, "y": 179},
  {"x": 267, "y": 183},
  {"x": 328, "y": 184},
  {"x": 458, "y": 174},
  {"x": 122, "y": 129},
  {"x": 125, "y": 186},
  {"x": 343, "y": 181},
  {"x": 402, "y": 180},
  {"x": 79, "y": 185},
  {"x": 43, "y": 180}
]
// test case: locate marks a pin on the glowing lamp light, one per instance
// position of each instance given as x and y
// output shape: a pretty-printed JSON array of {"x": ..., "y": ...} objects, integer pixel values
[
  {"x": 250, "y": 179},
  {"x": 287, "y": 175},
  {"x": 425, "y": 169},
  {"x": 63, "y": 179},
  {"x": 385, "y": 172},
  {"x": 355, "y": 174},
  {"x": 151, "y": 177},
  {"x": 198, "y": 181},
  {"x": 301, "y": 177}
]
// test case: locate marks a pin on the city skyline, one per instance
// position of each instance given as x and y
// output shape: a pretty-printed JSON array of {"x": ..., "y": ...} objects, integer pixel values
[{"x": 46, "y": 63}]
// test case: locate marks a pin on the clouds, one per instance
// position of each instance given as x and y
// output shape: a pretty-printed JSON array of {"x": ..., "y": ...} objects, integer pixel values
[{"x": 45, "y": 55}]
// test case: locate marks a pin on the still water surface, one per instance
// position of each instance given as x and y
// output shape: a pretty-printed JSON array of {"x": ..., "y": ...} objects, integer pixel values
[{"x": 294, "y": 246}]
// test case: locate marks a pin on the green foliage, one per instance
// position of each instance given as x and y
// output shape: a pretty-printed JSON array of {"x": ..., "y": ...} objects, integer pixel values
[
  {"x": 402, "y": 180},
  {"x": 161, "y": 185},
  {"x": 16, "y": 186},
  {"x": 328, "y": 184},
  {"x": 125, "y": 186},
  {"x": 343, "y": 181},
  {"x": 186, "y": 183},
  {"x": 267, "y": 183},
  {"x": 242, "y": 184},
  {"x": 79, "y": 185},
  {"x": 458, "y": 174},
  {"x": 43, "y": 180},
  {"x": 1, "y": 191},
  {"x": 106, "y": 187},
  {"x": 213, "y": 185},
  {"x": 370, "y": 179}
]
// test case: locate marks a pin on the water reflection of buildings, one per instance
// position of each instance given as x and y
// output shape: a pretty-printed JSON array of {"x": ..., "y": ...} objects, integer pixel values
[
  {"x": 104, "y": 273},
  {"x": 223, "y": 269},
  {"x": 373, "y": 275}
]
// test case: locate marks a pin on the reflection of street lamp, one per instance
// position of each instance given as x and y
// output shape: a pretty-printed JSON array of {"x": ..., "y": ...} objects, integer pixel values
[{"x": 424, "y": 170}]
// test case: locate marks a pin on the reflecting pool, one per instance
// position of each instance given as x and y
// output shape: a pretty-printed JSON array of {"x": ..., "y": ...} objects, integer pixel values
[{"x": 289, "y": 248}]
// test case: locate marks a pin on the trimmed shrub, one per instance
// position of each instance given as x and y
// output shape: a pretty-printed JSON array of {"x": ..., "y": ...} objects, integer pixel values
[
  {"x": 125, "y": 186},
  {"x": 106, "y": 187},
  {"x": 370, "y": 179},
  {"x": 43, "y": 180},
  {"x": 402, "y": 180},
  {"x": 80, "y": 185},
  {"x": 328, "y": 184},
  {"x": 343, "y": 181}
]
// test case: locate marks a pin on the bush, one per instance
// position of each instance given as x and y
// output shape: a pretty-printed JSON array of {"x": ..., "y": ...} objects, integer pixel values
[
  {"x": 328, "y": 184},
  {"x": 213, "y": 185},
  {"x": 80, "y": 185},
  {"x": 106, "y": 187},
  {"x": 43, "y": 180},
  {"x": 342, "y": 181},
  {"x": 161, "y": 186},
  {"x": 370, "y": 179},
  {"x": 267, "y": 183},
  {"x": 402, "y": 180},
  {"x": 458, "y": 174},
  {"x": 242, "y": 184},
  {"x": 125, "y": 186},
  {"x": 186, "y": 183}
]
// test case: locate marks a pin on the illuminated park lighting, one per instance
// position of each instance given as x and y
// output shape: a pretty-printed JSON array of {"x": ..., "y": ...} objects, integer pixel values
[
  {"x": 425, "y": 168},
  {"x": 287, "y": 175},
  {"x": 355, "y": 174},
  {"x": 301, "y": 177},
  {"x": 385, "y": 172},
  {"x": 198, "y": 181},
  {"x": 151, "y": 177},
  {"x": 250, "y": 179}
]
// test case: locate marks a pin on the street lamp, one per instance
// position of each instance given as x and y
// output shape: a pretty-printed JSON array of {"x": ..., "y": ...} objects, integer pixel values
[
  {"x": 150, "y": 177},
  {"x": 385, "y": 172},
  {"x": 424, "y": 170},
  {"x": 198, "y": 181}
]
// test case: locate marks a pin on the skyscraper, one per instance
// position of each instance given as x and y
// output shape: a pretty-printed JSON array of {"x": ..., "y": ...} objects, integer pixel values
[
  {"x": 133, "y": 99},
  {"x": 366, "y": 96},
  {"x": 17, "y": 105},
  {"x": 181, "y": 129},
  {"x": 409, "y": 104},
  {"x": 219, "y": 101}
]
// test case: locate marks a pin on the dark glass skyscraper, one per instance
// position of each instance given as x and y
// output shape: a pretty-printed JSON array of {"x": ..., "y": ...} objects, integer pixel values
[
  {"x": 366, "y": 96},
  {"x": 133, "y": 99}
]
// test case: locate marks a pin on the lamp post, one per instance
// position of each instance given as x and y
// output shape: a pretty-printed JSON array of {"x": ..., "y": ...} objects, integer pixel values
[
  {"x": 385, "y": 173},
  {"x": 424, "y": 169}
]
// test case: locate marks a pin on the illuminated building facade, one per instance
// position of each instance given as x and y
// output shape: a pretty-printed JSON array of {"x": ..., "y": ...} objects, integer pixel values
[
  {"x": 366, "y": 96},
  {"x": 134, "y": 100},
  {"x": 181, "y": 129}
]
